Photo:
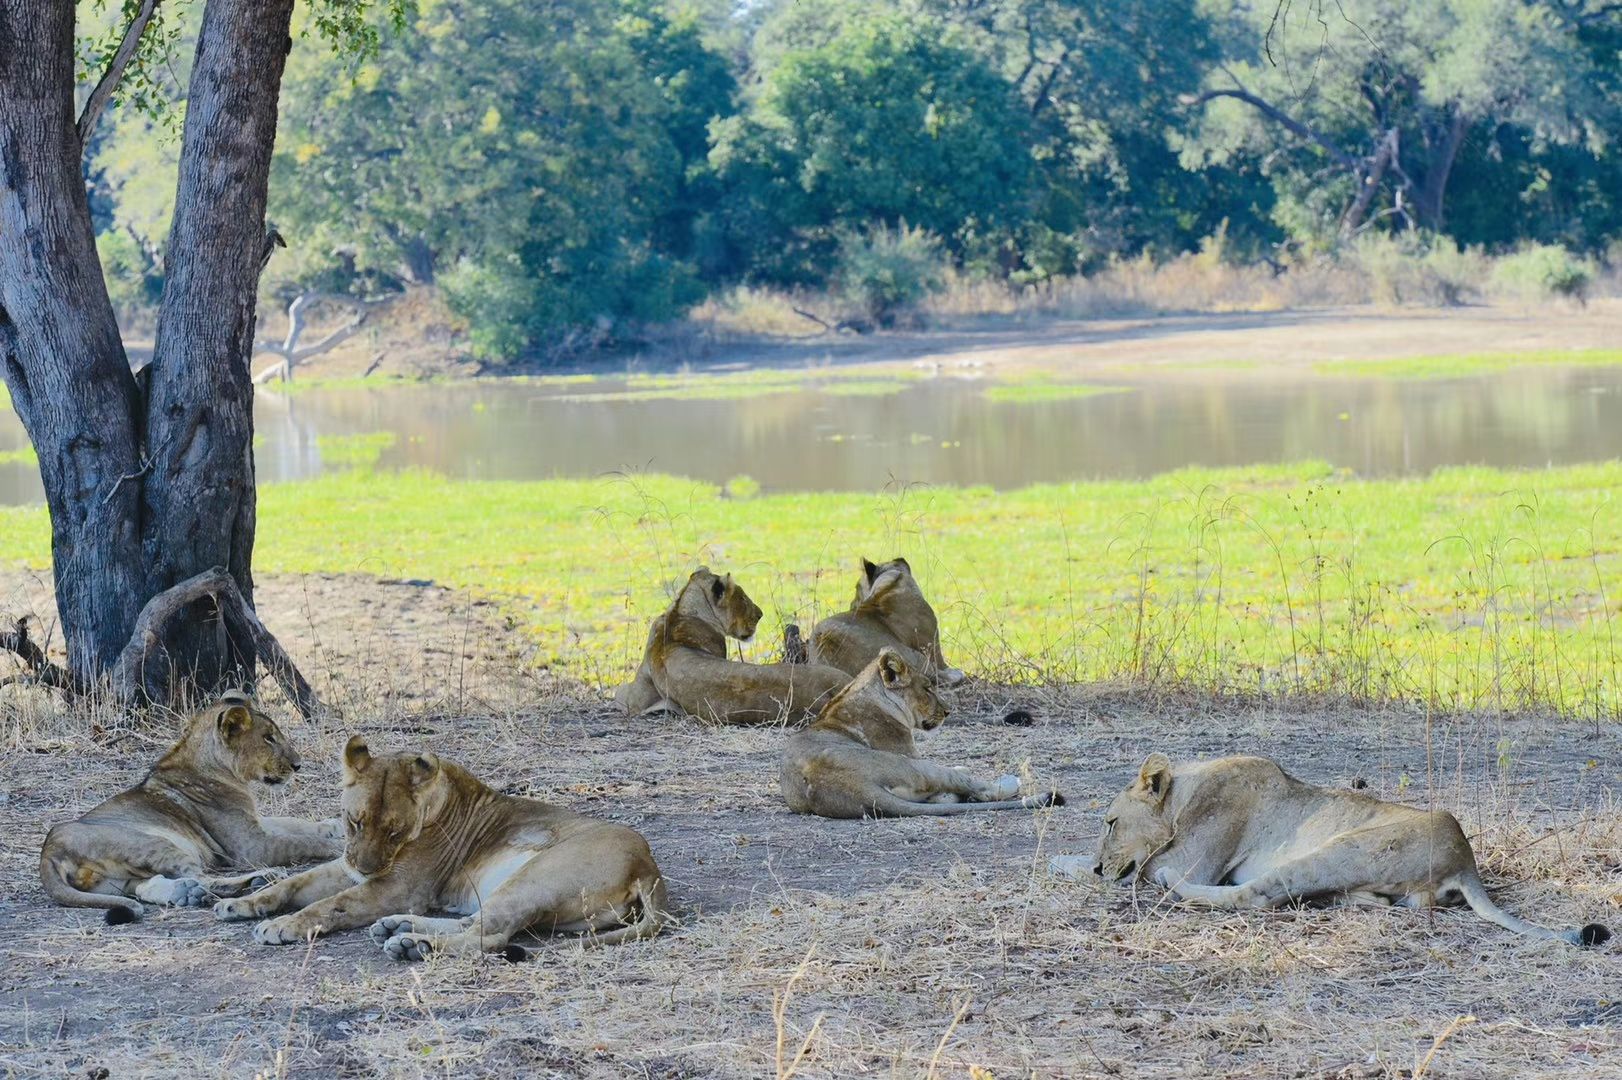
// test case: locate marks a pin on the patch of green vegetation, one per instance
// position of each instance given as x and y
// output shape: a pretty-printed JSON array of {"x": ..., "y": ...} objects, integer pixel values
[
  {"x": 1462, "y": 366},
  {"x": 23, "y": 455},
  {"x": 1470, "y": 587},
  {"x": 1034, "y": 391},
  {"x": 354, "y": 451}
]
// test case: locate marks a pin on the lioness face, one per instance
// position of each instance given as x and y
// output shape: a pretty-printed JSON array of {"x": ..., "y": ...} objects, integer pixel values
[
  {"x": 1136, "y": 826},
  {"x": 915, "y": 690},
  {"x": 254, "y": 745},
  {"x": 387, "y": 801},
  {"x": 738, "y": 614}
]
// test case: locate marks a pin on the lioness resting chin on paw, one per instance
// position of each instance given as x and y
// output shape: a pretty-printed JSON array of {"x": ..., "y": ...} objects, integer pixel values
[
  {"x": 423, "y": 836},
  {"x": 889, "y": 611},
  {"x": 191, "y": 816},
  {"x": 858, "y": 759},
  {"x": 1240, "y": 832},
  {"x": 687, "y": 661}
]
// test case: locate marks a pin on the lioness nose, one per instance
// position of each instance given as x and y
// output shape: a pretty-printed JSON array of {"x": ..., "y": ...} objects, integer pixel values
[
  {"x": 1098, "y": 868},
  {"x": 296, "y": 765}
]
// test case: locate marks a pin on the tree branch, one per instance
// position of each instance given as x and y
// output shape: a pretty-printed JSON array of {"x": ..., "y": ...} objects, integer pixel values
[
  {"x": 114, "y": 74},
  {"x": 41, "y": 670},
  {"x": 1278, "y": 116},
  {"x": 128, "y": 673}
]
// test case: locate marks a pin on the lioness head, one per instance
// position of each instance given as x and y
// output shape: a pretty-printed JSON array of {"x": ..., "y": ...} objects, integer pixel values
[
  {"x": 732, "y": 610},
  {"x": 873, "y": 574},
  {"x": 387, "y": 801},
  {"x": 250, "y": 743},
  {"x": 1136, "y": 826},
  {"x": 913, "y": 690}
]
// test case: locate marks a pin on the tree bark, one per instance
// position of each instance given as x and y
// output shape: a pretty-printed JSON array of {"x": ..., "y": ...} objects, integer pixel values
[
  {"x": 143, "y": 494},
  {"x": 199, "y": 498},
  {"x": 1444, "y": 152},
  {"x": 59, "y": 345}
]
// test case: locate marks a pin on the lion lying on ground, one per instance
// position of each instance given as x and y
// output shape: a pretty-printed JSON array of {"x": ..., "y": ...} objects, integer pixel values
[
  {"x": 424, "y": 835},
  {"x": 191, "y": 815},
  {"x": 858, "y": 759},
  {"x": 889, "y": 612},
  {"x": 686, "y": 662},
  {"x": 1240, "y": 832}
]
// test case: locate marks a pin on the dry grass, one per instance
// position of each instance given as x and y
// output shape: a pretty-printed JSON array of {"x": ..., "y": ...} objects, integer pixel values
[{"x": 830, "y": 949}]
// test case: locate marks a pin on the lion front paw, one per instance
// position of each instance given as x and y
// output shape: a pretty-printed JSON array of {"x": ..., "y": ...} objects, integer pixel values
[
  {"x": 287, "y": 930},
  {"x": 239, "y": 909},
  {"x": 408, "y": 947}
]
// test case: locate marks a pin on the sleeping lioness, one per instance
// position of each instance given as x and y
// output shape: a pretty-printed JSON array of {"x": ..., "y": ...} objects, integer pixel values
[
  {"x": 423, "y": 835},
  {"x": 858, "y": 759},
  {"x": 192, "y": 814},
  {"x": 889, "y": 612},
  {"x": 1240, "y": 832},
  {"x": 688, "y": 665}
]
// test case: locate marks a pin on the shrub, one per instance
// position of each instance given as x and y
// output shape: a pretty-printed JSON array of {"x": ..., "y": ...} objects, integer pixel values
[
  {"x": 1410, "y": 269},
  {"x": 884, "y": 273},
  {"x": 1543, "y": 272}
]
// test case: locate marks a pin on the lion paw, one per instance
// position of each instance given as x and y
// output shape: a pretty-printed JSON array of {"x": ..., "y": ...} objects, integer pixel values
[
  {"x": 287, "y": 930},
  {"x": 408, "y": 947},
  {"x": 239, "y": 909},
  {"x": 189, "y": 892},
  {"x": 331, "y": 829},
  {"x": 1004, "y": 787},
  {"x": 390, "y": 925}
]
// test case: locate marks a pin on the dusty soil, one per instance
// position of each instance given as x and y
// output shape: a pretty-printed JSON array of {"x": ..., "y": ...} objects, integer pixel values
[
  {"x": 912, "y": 948},
  {"x": 416, "y": 338}
]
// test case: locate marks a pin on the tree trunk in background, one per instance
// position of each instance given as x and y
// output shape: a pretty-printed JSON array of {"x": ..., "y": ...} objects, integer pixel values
[
  {"x": 59, "y": 346},
  {"x": 199, "y": 497},
  {"x": 140, "y": 498}
]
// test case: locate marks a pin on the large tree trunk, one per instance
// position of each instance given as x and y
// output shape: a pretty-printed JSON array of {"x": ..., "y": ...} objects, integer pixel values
[
  {"x": 142, "y": 496},
  {"x": 59, "y": 345},
  {"x": 199, "y": 496}
]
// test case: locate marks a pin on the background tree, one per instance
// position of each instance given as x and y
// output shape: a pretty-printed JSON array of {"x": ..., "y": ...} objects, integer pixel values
[{"x": 149, "y": 482}]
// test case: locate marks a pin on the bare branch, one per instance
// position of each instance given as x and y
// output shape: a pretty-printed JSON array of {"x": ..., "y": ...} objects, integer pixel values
[
  {"x": 289, "y": 350},
  {"x": 1278, "y": 116},
  {"x": 41, "y": 670},
  {"x": 114, "y": 74},
  {"x": 219, "y": 587}
]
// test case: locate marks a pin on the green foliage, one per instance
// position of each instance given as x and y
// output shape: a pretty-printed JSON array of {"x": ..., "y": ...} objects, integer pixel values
[
  {"x": 884, "y": 272},
  {"x": 134, "y": 281},
  {"x": 1411, "y": 269},
  {"x": 1544, "y": 271}
]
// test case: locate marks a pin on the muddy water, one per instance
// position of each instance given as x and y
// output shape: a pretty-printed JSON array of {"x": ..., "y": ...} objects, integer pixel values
[{"x": 944, "y": 430}]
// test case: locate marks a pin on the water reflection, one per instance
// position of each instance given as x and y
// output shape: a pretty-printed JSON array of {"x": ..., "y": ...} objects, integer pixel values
[{"x": 944, "y": 431}]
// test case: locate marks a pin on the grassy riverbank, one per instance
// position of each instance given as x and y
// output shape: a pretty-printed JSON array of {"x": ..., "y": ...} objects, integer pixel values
[{"x": 1470, "y": 587}]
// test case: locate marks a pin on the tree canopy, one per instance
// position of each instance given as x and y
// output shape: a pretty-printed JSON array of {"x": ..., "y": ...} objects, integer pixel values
[{"x": 588, "y": 165}]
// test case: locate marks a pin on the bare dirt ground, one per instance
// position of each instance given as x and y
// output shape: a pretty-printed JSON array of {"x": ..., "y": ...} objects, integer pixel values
[
  {"x": 816, "y": 948},
  {"x": 414, "y": 340}
]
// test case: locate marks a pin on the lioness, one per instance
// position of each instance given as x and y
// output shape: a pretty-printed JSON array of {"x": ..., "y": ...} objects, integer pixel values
[
  {"x": 192, "y": 814},
  {"x": 424, "y": 835},
  {"x": 858, "y": 759},
  {"x": 889, "y": 612},
  {"x": 688, "y": 665},
  {"x": 1240, "y": 832},
  {"x": 640, "y": 696}
]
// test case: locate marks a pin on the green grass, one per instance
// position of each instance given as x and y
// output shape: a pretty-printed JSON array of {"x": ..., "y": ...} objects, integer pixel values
[
  {"x": 23, "y": 455},
  {"x": 1037, "y": 391},
  {"x": 1462, "y": 366},
  {"x": 354, "y": 451},
  {"x": 1470, "y": 587}
]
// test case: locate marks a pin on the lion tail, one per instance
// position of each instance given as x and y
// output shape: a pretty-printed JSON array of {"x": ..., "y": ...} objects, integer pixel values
[
  {"x": 1475, "y": 894},
  {"x": 119, "y": 909}
]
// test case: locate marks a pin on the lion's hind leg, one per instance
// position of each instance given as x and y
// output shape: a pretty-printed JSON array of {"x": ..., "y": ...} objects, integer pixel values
[{"x": 1340, "y": 869}]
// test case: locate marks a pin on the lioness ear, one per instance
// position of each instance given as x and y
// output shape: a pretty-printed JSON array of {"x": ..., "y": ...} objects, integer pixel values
[
  {"x": 718, "y": 587},
  {"x": 869, "y": 569},
  {"x": 903, "y": 563},
  {"x": 1154, "y": 779},
  {"x": 424, "y": 769},
  {"x": 233, "y": 721},
  {"x": 356, "y": 755},
  {"x": 892, "y": 669}
]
